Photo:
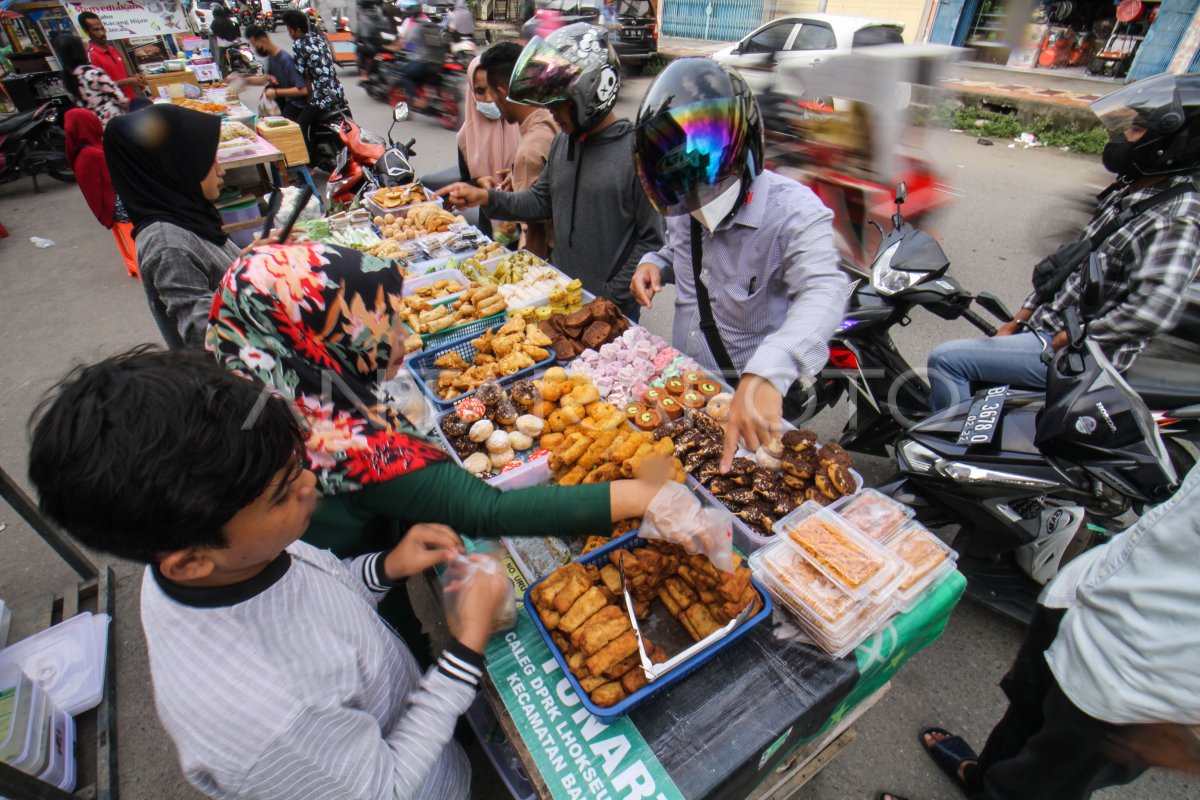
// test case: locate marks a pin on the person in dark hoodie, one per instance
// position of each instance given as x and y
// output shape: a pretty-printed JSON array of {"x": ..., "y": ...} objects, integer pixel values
[{"x": 604, "y": 223}]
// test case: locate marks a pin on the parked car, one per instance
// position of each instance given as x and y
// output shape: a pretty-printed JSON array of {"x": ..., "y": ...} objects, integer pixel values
[
  {"x": 801, "y": 41},
  {"x": 437, "y": 9},
  {"x": 199, "y": 15},
  {"x": 637, "y": 28}
]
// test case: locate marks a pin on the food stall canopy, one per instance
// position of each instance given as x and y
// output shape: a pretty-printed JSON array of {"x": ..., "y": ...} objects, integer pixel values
[{"x": 128, "y": 18}]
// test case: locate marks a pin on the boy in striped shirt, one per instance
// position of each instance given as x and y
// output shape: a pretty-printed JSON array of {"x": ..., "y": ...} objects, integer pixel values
[{"x": 272, "y": 672}]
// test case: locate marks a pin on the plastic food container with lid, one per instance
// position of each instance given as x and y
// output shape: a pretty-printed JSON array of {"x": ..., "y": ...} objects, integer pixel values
[
  {"x": 60, "y": 770},
  {"x": 928, "y": 557},
  {"x": 873, "y": 513},
  {"x": 832, "y": 619},
  {"x": 25, "y": 722},
  {"x": 853, "y": 561}
]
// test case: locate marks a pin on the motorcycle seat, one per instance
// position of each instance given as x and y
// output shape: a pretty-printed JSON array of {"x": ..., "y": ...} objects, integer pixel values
[
  {"x": 12, "y": 122},
  {"x": 1162, "y": 384}
]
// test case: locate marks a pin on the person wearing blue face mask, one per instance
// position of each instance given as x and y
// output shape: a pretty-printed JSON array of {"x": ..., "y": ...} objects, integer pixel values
[{"x": 487, "y": 144}]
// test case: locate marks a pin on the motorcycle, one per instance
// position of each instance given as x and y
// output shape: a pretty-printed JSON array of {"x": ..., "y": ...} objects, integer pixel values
[
  {"x": 31, "y": 144},
  {"x": 442, "y": 97},
  {"x": 238, "y": 58},
  {"x": 462, "y": 48},
  {"x": 1019, "y": 494},
  {"x": 367, "y": 162}
]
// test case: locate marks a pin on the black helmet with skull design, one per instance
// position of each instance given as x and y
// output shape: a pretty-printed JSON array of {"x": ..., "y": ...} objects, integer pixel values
[{"x": 573, "y": 64}]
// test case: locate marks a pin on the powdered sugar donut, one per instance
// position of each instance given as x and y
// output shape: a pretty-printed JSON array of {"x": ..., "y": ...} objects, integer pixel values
[
  {"x": 530, "y": 425},
  {"x": 502, "y": 458},
  {"x": 481, "y": 430},
  {"x": 477, "y": 463},
  {"x": 497, "y": 442},
  {"x": 520, "y": 441}
]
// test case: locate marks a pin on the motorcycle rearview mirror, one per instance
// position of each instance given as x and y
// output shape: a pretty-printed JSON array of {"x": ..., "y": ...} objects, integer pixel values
[
  {"x": 994, "y": 306},
  {"x": 901, "y": 196},
  {"x": 1092, "y": 296},
  {"x": 400, "y": 112}
]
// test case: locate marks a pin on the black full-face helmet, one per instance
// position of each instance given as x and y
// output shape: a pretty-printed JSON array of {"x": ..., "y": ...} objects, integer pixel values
[
  {"x": 699, "y": 132},
  {"x": 573, "y": 64},
  {"x": 1167, "y": 108}
]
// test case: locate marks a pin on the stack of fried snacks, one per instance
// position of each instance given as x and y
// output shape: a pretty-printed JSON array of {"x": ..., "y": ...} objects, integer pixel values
[
  {"x": 499, "y": 353},
  {"x": 584, "y": 611},
  {"x": 426, "y": 319},
  {"x": 599, "y": 446}
]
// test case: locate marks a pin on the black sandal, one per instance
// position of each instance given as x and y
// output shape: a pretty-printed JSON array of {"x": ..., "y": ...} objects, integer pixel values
[{"x": 949, "y": 754}]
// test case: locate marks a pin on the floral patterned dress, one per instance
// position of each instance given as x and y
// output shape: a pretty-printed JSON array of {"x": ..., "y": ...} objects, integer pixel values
[{"x": 98, "y": 93}]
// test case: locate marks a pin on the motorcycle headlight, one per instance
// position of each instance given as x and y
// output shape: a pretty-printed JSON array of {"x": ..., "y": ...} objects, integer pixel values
[
  {"x": 888, "y": 281},
  {"x": 969, "y": 473}
]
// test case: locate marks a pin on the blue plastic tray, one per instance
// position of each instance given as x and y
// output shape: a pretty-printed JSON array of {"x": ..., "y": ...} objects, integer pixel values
[
  {"x": 599, "y": 557},
  {"x": 425, "y": 373}
]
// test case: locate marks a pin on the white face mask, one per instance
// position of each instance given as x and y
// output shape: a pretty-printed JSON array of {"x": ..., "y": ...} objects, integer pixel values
[
  {"x": 711, "y": 214},
  {"x": 489, "y": 110}
]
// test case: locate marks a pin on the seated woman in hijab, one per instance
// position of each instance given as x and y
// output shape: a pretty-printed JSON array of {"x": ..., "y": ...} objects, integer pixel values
[
  {"x": 163, "y": 162},
  {"x": 85, "y": 154},
  {"x": 317, "y": 323}
]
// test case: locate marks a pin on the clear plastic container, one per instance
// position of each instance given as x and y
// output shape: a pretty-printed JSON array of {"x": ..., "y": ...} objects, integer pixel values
[
  {"x": 25, "y": 721},
  {"x": 411, "y": 285},
  {"x": 66, "y": 660},
  {"x": 5, "y": 622},
  {"x": 853, "y": 561},
  {"x": 873, "y": 513},
  {"x": 60, "y": 770},
  {"x": 928, "y": 557},
  {"x": 833, "y": 620}
]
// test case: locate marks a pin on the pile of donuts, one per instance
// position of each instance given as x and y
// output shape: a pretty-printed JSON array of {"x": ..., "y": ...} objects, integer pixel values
[
  {"x": 495, "y": 431},
  {"x": 762, "y": 488},
  {"x": 693, "y": 390}
]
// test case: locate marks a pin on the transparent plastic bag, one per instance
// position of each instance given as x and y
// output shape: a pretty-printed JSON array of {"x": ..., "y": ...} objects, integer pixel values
[
  {"x": 403, "y": 394},
  {"x": 676, "y": 515},
  {"x": 459, "y": 573}
]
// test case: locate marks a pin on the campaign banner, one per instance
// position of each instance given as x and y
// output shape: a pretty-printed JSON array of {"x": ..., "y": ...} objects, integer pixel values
[
  {"x": 578, "y": 756},
  {"x": 125, "y": 19}
]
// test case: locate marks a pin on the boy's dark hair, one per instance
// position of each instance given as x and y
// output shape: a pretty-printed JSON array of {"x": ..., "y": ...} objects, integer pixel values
[
  {"x": 153, "y": 451},
  {"x": 255, "y": 32},
  {"x": 498, "y": 61},
  {"x": 295, "y": 19},
  {"x": 84, "y": 18}
]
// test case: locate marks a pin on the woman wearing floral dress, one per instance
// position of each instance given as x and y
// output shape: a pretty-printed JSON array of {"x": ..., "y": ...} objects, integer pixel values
[
  {"x": 317, "y": 324},
  {"x": 89, "y": 86}
]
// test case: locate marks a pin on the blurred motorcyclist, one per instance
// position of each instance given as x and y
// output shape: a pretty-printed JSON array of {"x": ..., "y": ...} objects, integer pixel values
[{"x": 427, "y": 50}]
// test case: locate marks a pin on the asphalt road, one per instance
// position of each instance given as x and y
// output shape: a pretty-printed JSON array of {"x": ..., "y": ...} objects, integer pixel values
[{"x": 72, "y": 303}]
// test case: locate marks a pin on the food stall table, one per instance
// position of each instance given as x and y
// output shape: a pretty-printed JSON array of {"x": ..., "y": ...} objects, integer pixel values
[
  {"x": 264, "y": 156},
  {"x": 719, "y": 733}
]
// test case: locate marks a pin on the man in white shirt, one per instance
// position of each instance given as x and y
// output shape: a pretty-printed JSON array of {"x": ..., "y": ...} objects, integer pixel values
[{"x": 1111, "y": 658}]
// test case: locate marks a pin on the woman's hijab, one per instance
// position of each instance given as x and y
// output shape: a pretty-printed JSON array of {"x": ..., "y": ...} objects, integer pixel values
[
  {"x": 487, "y": 145},
  {"x": 461, "y": 18},
  {"x": 85, "y": 154},
  {"x": 157, "y": 158},
  {"x": 315, "y": 322}
]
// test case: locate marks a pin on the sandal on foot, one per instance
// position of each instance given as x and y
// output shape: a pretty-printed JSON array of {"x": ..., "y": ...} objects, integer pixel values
[
  {"x": 886, "y": 795},
  {"x": 949, "y": 754}
]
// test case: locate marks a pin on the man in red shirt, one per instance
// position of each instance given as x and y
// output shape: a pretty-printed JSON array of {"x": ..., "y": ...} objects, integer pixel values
[{"x": 108, "y": 58}]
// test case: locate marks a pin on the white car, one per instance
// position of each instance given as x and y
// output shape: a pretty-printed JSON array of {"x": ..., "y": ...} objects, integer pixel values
[{"x": 803, "y": 40}]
